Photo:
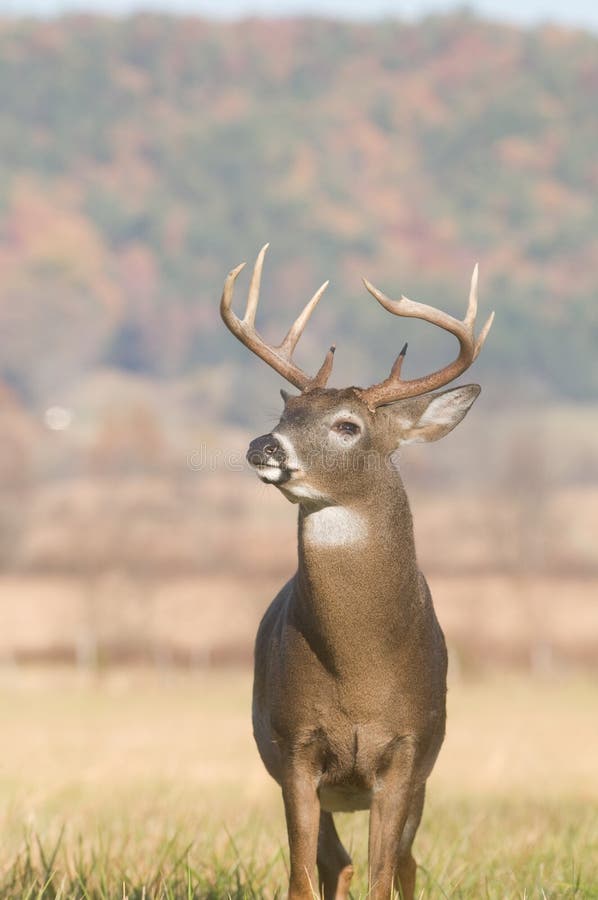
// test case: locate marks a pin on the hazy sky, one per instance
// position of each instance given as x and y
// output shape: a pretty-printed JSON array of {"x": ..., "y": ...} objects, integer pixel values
[{"x": 574, "y": 12}]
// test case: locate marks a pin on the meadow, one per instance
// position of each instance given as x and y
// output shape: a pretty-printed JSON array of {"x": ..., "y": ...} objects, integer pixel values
[
  {"x": 140, "y": 158},
  {"x": 143, "y": 783}
]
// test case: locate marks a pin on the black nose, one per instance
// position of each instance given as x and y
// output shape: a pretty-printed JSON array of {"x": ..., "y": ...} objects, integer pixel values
[{"x": 264, "y": 450}]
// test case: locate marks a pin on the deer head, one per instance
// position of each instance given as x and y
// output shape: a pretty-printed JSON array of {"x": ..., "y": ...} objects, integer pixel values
[{"x": 326, "y": 434}]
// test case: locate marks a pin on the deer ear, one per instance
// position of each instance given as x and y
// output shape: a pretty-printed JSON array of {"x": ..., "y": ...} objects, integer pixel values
[
  {"x": 285, "y": 395},
  {"x": 430, "y": 417}
]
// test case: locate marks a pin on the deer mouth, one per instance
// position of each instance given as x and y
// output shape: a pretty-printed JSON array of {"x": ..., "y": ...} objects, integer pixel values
[
  {"x": 272, "y": 472},
  {"x": 268, "y": 457}
]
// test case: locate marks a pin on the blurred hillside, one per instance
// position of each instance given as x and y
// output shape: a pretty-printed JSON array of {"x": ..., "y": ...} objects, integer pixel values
[{"x": 140, "y": 159}]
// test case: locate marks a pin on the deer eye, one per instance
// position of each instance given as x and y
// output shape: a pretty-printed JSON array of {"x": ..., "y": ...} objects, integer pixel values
[{"x": 346, "y": 427}]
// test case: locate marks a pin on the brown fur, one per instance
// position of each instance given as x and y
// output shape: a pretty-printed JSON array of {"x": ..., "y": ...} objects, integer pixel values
[{"x": 350, "y": 661}]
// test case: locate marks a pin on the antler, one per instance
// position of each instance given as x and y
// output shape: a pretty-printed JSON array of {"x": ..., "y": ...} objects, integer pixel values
[
  {"x": 278, "y": 357},
  {"x": 394, "y": 388}
]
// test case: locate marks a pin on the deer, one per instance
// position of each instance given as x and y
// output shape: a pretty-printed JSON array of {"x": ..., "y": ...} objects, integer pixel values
[{"x": 350, "y": 663}]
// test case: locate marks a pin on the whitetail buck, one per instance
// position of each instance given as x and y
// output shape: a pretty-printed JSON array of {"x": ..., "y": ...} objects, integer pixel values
[{"x": 350, "y": 661}]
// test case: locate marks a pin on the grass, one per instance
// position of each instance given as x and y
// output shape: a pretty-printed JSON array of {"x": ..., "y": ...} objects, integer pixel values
[
  {"x": 145, "y": 786},
  {"x": 466, "y": 850}
]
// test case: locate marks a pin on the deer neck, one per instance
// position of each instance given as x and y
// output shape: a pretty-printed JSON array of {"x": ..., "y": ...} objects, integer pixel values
[{"x": 357, "y": 577}]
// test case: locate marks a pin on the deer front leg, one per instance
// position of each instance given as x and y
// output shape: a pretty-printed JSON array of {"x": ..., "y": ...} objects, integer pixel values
[
  {"x": 406, "y": 866},
  {"x": 302, "y": 810},
  {"x": 390, "y": 862}
]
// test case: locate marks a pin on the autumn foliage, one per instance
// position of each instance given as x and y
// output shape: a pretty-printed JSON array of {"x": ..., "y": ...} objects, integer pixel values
[{"x": 141, "y": 158}]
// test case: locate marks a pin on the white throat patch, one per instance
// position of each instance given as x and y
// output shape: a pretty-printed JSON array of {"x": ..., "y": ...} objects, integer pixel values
[{"x": 334, "y": 526}]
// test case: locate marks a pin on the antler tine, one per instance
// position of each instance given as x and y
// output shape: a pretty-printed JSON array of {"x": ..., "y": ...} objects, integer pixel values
[
  {"x": 279, "y": 357},
  {"x": 321, "y": 377},
  {"x": 296, "y": 330},
  {"x": 411, "y": 309},
  {"x": 472, "y": 306},
  {"x": 254, "y": 287},
  {"x": 394, "y": 388},
  {"x": 227, "y": 293},
  {"x": 483, "y": 335},
  {"x": 395, "y": 372}
]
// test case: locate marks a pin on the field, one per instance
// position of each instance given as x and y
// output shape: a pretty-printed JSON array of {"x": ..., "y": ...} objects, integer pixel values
[
  {"x": 138, "y": 784},
  {"x": 142, "y": 781},
  {"x": 140, "y": 158}
]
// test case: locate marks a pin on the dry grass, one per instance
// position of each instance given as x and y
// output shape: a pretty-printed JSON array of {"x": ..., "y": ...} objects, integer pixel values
[{"x": 154, "y": 781}]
